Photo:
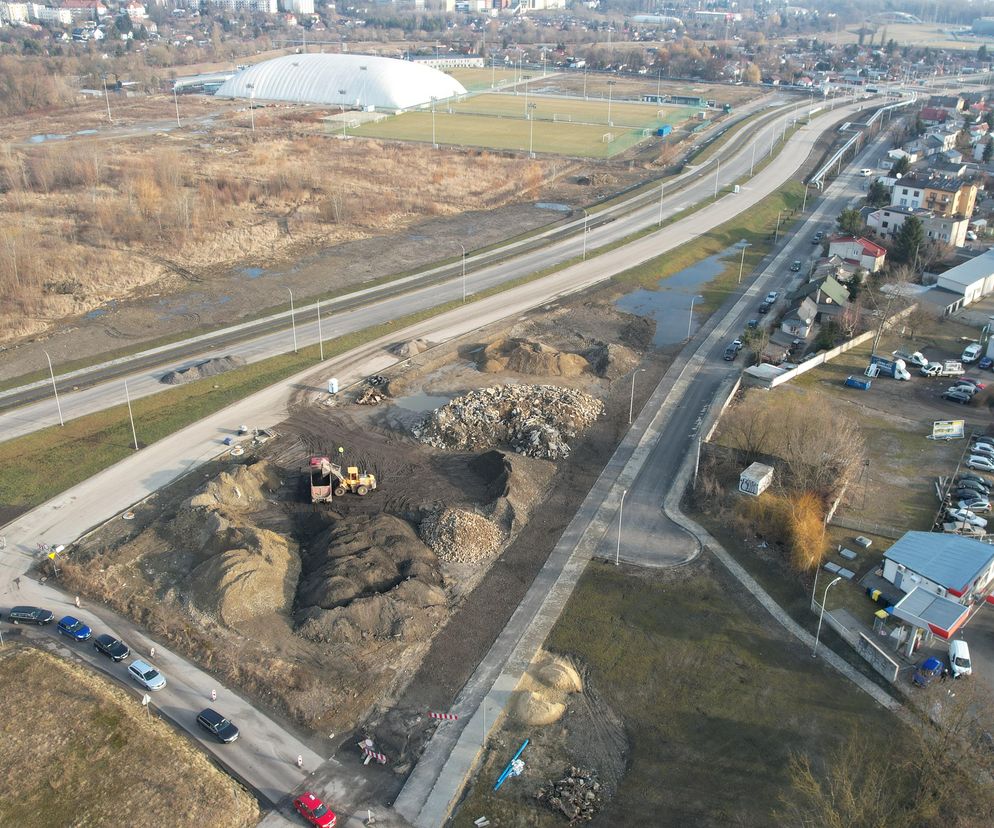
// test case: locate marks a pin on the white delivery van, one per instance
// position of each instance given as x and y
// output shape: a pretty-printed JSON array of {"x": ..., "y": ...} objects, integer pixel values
[{"x": 959, "y": 658}]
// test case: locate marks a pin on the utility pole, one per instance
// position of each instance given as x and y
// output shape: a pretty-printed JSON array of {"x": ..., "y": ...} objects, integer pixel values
[
  {"x": 293, "y": 321},
  {"x": 662, "y": 189},
  {"x": 51, "y": 373},
  {"x": 320, "y": 338},
  {"x": 131, "y": 416}
]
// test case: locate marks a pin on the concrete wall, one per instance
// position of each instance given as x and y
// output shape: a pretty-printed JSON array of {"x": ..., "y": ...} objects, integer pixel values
[{"x": 877, "y": 658}]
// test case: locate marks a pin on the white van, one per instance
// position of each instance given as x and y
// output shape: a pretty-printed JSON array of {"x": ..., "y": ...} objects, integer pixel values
[{"x": 959, "y": 658}]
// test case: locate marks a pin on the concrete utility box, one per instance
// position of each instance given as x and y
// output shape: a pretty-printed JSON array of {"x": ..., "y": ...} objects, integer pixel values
[{"x": 756, "y": 479}]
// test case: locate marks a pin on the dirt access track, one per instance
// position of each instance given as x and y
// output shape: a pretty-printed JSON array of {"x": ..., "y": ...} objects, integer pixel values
[{"x": 366, "y": 612}]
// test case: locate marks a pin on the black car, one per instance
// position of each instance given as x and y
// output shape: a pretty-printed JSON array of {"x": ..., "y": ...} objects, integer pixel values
[
  {"x": 30, "y": 615},
  {"x": 110, "y": 646},
  {"x": 753, "y": 324},
  {"x": 217, "y": 725},
  {"x": 974, "y": 485},
  {"x": 958, "y": 397},
  {"x": 764, "y": 308}
]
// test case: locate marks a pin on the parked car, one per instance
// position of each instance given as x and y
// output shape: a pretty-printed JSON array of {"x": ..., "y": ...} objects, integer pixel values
[
  {"x": 971, "y": 353},
  {"x": 966, "y": 516},
  {"x": 817, "y": 237},
  {"x": 927, "y": 671},
  {"x": 970, "y": 481},
  {"x": 933, "y": 369},
  {"x": 764, "y": 308},
  {"x": 980, "y": 386},
  {"x": 985, "y": 364},
  {"x": 730, "y": 353},
  {"x": 960, "y": 397},
  {"x": 146, "y": 675},
  {"x": 866, "y": 173},
  {"x": 959, "y": 658},
  {"x": 314, "y": 810},
  {"x": 975, "y": 504},
  {"x": 30, "y": 615},
  {"x": 795, "y": 265},
  {"x": 982, "y": 449},
  {"x": 218, "y": 726},
  {"x": 965, "y": 388},
  {"x": 980, "y": 463},
  {"x": 112, "y": 647},
  {"x": 771, "y": 297},
  {"x": 74, "y": 628},
  {"x": 970, "y": 486},
  {"x": 752, "y": 324}
]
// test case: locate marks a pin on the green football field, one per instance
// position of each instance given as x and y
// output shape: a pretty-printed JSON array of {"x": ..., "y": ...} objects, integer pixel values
[{"x": 567, "y": 126}]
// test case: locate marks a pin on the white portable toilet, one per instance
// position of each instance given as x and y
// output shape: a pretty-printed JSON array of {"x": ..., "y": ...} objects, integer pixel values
[{"x": 333, "y": 385}]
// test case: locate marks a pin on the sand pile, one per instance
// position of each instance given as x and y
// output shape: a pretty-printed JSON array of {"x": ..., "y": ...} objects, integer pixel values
[
  {"x": 208, "y": 368},
  {"x": 534, "y": 420},
  {"x": 245, "y": 486},
  {"x": 610, "y": 360},
  {"x": 540, "y": 697},
  {"x": 523, "y": 356},
  {"x": 459, "y": 536},
  {"x": 411, "y": 348},
  {"x": 370, "y": 577},
  {"x": 255, "y": 575}
]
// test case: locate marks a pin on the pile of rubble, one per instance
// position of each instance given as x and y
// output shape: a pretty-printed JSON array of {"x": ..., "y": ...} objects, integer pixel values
[
  {"x": 208, "y": 368},
  {"x": 577, "y": 796},
  {"x": 458, "y": 536},
  {"x": 370, "y": 395},
  {"x": 534, "y": 420}
]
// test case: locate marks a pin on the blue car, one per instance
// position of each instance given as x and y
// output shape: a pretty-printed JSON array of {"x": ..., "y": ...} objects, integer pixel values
[
  {"x": 985, "y": 363},
  {"x": 927, "y": 671},
  {"x": 74, "y": 628}
]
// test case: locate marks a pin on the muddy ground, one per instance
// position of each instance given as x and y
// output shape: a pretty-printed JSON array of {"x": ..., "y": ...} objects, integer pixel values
[{"x": 338, "y": 616}]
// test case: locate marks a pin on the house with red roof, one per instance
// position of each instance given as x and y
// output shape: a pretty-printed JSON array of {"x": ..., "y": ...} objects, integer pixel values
[
  {"x": 863, "y": 252},
  {"x": 933, "y": 115}
]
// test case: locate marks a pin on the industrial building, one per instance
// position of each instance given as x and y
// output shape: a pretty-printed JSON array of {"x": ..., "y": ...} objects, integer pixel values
[{"x": 353, "y": 81}]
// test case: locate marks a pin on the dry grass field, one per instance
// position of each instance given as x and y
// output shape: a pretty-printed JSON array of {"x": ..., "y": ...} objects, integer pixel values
[
  {"x": 95, "y": 217},
  {"x": 77, "y": 750}
]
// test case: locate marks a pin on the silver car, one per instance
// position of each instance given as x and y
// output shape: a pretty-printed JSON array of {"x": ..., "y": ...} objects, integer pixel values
[{"x": 146, "y": 675}]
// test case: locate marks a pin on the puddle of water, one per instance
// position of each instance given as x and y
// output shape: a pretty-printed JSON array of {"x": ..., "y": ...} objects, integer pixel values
[
  {"x": 252, "y": 272},
  {"x": 86, "y": 132},
  {"x": 40, "y": 139},
  {"x": 551, "y": 205},
  {"x": 669, "y": 305},
  {"x": 416, "y": 237},
  {"x": 93, "y": 314},
  {"x": 421, "y": 403}
]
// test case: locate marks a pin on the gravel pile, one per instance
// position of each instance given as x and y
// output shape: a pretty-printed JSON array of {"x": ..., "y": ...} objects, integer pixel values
[
  {"x": 459, "y": 536},
  {"x": 576, "y": 796},
  {"x": 209, "y": 368},
  {"x": 534, "y": 420}
]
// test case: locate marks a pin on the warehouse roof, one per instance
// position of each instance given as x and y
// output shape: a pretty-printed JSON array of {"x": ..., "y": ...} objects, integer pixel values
[
  {"x": 970, "y": 272},
  {"x": 342, "y": 80}
]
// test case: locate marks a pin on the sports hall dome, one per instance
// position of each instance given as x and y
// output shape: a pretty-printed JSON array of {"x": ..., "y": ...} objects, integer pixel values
[{"x": 384, "y": 83}]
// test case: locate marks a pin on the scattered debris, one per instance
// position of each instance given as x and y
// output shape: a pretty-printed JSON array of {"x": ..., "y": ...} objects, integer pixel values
[
  {"x": 534, "y": 420},
  {"x": 576, "y": 796},
  {"x": 208, "y": 368},
  {"x": 412, "y": 347},
  {"x": 369, "y": 396},
  {"x": 460, "y": 536}
]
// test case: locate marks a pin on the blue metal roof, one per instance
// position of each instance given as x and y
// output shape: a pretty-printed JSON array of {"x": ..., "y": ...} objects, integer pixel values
[{"x": 949, "y": 560}]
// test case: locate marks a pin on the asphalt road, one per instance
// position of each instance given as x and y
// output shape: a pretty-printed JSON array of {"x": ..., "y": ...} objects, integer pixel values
[
  {"x": 370, "y": 306},
  {"x": 260, "y": 756}
]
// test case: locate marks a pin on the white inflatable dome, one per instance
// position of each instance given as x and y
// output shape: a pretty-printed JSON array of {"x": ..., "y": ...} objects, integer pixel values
[{"x": 383, "y": 83}]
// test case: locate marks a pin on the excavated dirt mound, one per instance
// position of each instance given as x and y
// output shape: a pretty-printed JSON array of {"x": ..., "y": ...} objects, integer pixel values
[
  {"x": 245, "y": 487},
  {"x": 534, "y": 420},
  {"x": 523, "y": 356},
  {"x": 370, "y": 577},
  {"x": 540, "y": 697},
  {"x": 254, "y": 576},
  {"x": 412, "y": 347},
  {"x": 209, "y": 368},
  {"x": 460, "y": 536},
  {"x": 610, "y": 360},
  {"x": 517, "y": 485}
]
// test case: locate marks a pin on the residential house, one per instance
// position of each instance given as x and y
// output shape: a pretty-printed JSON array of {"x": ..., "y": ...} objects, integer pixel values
[
  {"x": 829, "y": 297},
  {"x": 950, "y": 566},
  {"x": 931, "y": 115},
  {"x": 887, "y": 221},
  {"x": 135, "y": 11},
  {"x": 950, "y": 103},
  {"x": 14, "y": 12},
  {"x": 800, "y": 319},
  {"x": 49, "y": 15},
  {"x": 949, "y": 196},
  {"x": 862, "y": 251},
  {"x": 85, "y": 9},
  {"x": 839, "y": 269}
]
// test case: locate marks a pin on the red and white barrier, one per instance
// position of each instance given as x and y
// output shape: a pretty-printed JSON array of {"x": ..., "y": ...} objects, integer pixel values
[
  {"x": 448, "y": 717},
  {"x": 376, "y": 757}
]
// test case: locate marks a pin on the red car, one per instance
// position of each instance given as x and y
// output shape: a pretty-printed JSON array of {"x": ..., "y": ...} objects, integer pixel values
[{"x": 314, "y": 811}]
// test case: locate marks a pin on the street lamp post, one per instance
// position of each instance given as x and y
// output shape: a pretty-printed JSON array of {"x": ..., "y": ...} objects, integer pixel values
[
  {"x": 531, "y": 130},
  {"x": 463, "y": 248},
  {"x": 176, "y": 101},
  {"x": 745, "y": 244},
  {"x": 716, "y": 169},
  {"x": 621, "y": 514},
  {"x": 362, "y": 92},
  {"x": 662, "y": 188},
  {"x": 293, "y": 321},
  {"x": 776, "y": 236},
  {"x": 821, "y": 615},
  {"x": 131, "y": 416},
  {"x": 251, "y": 88},
  {"x": 690, "y": 321},
  {"x": 752, "y": 166},
  {"x": 631, "y": 403},
  {"x": 55, "y": 389},
  {"x": 610, "y": 84},
  {"x": 584, "y": 233},
  {"x": 434, "y": 144},
  {"x": 106, "y": 98},
  {"x": 343, "y": 93}
]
